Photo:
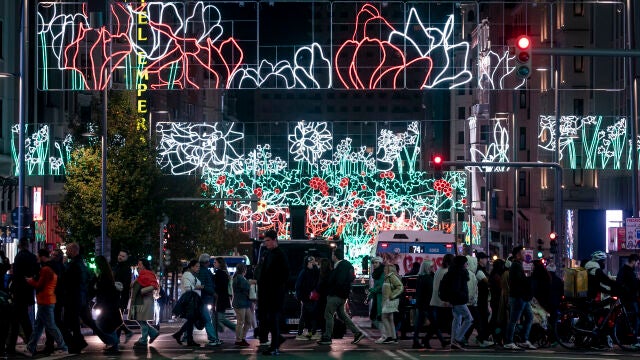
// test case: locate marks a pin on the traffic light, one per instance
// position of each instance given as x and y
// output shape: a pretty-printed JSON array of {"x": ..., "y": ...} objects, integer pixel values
[
  {"x": 540, "y": 244},
  {"x": 436, "y": 165},
  {"x": 523, "y": 57},
  {"x": 553, "y": 243}
]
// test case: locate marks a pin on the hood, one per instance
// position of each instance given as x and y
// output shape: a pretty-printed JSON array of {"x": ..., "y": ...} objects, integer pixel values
[{"x": 592, "y": 267}]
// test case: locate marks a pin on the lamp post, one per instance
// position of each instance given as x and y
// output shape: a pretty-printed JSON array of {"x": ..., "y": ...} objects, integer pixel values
[{"x": 103, "y": 187}]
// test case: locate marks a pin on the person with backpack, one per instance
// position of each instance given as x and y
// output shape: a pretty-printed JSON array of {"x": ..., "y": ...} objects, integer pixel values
[
  {"x": 520, "y": 295},
  {"x": 339, "y": 287},
  {"x": 454, "y": 288}
]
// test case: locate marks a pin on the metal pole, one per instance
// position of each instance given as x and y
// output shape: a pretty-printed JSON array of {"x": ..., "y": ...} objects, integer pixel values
[
  {"x": 22, "y": 114},
  {"x": 103, "y": 227},
  {"x": 487, "y": 208},
  {"x": 633, "y": 110}
]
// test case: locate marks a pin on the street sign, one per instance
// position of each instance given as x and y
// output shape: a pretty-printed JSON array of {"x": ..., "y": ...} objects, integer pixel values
[
  {"x": 27, "y": 216},
  {"x": 632, "y": 233},
  {"x": 527, "y": 264}
]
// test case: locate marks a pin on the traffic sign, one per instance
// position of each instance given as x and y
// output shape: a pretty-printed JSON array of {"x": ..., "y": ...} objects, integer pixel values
[{"x": 632, "y": 233}]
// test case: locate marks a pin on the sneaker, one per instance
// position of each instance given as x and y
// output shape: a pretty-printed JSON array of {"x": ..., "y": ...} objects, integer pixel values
[
  {"x": 178, "y": 338},
  {"x": 485, "y": 343},
  {"x": 381, "y": 340},
  {"x": 511, "y": 346},
  {"x": 316, "y": 336},
  {"x": 267, "y": 343},
  {"x": 456, "y": 345},
  {"x": 302, "y": 337},
  {"x": 527, "y": 345},
  {"x": 214, "y": 343},
  {"x": 390, "y": 340},
  {"x": 324, "y": 342},
  {"x": 357, "y": 337}
]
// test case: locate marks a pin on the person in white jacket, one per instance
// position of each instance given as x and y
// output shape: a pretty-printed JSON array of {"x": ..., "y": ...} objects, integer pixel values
[
  {"x": 189, "y": 283},
  {"x": 441, "y": 310}
]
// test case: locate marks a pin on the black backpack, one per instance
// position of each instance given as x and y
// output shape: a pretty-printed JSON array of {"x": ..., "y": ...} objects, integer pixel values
[{"x": 445, "y": 291}]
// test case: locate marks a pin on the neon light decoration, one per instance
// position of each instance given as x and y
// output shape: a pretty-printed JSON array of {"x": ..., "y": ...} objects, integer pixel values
[
  {"x": 495, "y": 71},
  {"x": 496, "y": 151},
  {"x": 347, "y": 194},
  {"x": 40, "y": 158},
  {"x": 602, "y": 142},
  {"x": 179, "y": 45}
]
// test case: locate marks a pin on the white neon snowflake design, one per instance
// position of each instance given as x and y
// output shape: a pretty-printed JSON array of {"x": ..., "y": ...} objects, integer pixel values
[{"x": 310, "y": 141}]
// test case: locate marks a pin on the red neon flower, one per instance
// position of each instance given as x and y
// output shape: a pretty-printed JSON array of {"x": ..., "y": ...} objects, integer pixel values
[
  {"x": 104, "y": 51},
  {"x": 353, "y": 62}
]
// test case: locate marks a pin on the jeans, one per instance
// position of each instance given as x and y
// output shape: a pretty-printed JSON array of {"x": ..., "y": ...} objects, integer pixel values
[
  {"x": 147, "y": 331},
  {"x": 417, "y": 324},
  {"x": 336, "y": 305},
  {"x": 212, "y": 331},
  {"x": 307, "y": 317},
  {"x": 519, "y": 307},
  {"x": 45, "y": 319},
  {"x": 462, "y": 320}
]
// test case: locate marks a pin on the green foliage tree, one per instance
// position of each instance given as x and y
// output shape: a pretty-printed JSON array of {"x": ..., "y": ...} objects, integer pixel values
[
  {"x": 133, "y": 207},
  {"x": 195, "y": 227}
]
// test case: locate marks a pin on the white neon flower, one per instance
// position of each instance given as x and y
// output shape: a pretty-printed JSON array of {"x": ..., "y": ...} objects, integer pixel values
[{"x": 310, "y": 141}]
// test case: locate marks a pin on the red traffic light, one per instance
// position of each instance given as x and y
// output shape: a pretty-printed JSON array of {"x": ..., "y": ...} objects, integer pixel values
[
  {"x": 437, "y": 160},
  {"x": 523, "y": 42},
  {"x": 552, "y": 236}
]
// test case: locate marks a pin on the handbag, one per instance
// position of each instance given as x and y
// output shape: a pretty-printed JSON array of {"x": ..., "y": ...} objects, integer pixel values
[
  {"x": 253, "y": 292},
  {"x": 314, "y": 295}
]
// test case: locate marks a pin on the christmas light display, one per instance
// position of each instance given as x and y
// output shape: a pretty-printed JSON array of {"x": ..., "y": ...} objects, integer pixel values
[
  {"x": 40, "y": 158},
  {"x": 496, "y": 151},
  {"x": 602, "y": 142},
  {"x": 495, "y": 70},
  {"x": 179, "y": 45}
]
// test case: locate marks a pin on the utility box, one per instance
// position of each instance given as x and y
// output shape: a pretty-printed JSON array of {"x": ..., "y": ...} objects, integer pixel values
[{"x": 575, "y": 282}]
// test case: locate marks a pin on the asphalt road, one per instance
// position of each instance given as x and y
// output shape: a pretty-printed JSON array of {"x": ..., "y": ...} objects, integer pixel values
[{"x": 165, "y": 347}]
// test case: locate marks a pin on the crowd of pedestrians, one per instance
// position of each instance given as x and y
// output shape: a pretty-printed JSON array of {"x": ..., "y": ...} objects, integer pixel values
[{"x": 464, "y": 294}]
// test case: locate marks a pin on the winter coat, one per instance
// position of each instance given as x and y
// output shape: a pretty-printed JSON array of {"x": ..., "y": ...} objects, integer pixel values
[
  {"x": 375, "y": 293},
  {"x": 107, "y": 300},
  {"x": 437, "y": 278},
  {"x": 45, "y": 286},
  {"x": 273, "y": 276},
  {"x": 597, "y": 281},
  {"x": 627, "y": 283},
  {"x": 341, "y": 279},
  {"x": 25, "y": 265},
  {"x": 208, "y": 293},
  {"x": 306, "y": 282},
  {"x": 122, "y": 274},
  {"x": 141, "y": 302},
  {"x": 223, "y": 298},
  {"x": 241, "y": 288},
  {"x": 460, "y": 291},
  {"x": 188, "y": 307},
  {"x": 391, "y": 291},
  {"x": 519, "y": 284},
  {"x": 76, "y": 278},
  {"x": 424, "y": 291}
]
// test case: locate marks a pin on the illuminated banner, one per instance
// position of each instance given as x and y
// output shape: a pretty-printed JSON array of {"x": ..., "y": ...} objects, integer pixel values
[
  {"x": 245, "y": 44},
  {"x": 37, "y": 203}
]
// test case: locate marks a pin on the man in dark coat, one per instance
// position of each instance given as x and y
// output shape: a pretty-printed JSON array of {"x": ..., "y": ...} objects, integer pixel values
[
  {"x": 25, "y": 265},
  {"x": 520, "y": 295},
  {"x": 339, "y": 286},
  {"x": 462, "y": 319},
  {"x": 122, "y": 277},
  {"x": 272, "y": 288},
  {"x": 208, "y": 300}
]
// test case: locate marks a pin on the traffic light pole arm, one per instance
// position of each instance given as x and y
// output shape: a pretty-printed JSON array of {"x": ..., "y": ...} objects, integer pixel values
[
  {"x": 558, "y": 206},
  {"x": 585, "y": 52}
]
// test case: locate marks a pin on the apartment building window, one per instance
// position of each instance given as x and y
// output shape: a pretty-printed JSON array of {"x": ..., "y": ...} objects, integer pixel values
[
  {"x": 578, "y": 107},
  {"x": 578, "y": 64},
  {"x": 522, "y": 183},
  {"x": 461, "y": 113},
  {"x": 523, "y": 99},
  {"x": 461, "y": 137},
  {"x": 523, "y": 139},
  {"x": 578, "y": 8}
]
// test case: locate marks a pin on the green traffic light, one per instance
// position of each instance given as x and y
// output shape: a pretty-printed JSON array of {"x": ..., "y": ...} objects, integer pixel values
[
  {"x": 540, "y": 254},
  {"x": 149, "y": 257}
]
